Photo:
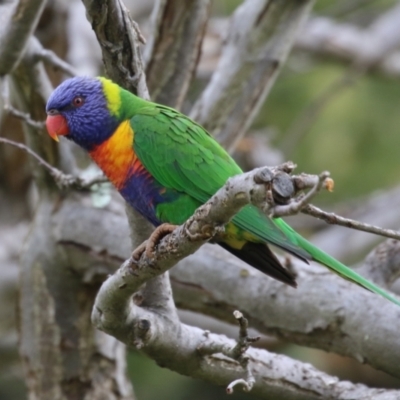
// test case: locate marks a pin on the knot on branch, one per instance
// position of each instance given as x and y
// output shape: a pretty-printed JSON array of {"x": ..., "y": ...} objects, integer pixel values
[
  {"x": 141, "y": 333},
  {"x": 382, "y": 265}
]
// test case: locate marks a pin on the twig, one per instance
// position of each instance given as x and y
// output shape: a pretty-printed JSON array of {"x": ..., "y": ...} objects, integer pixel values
[
  {"x": 323, "y": 318},
  {"x": 335, "y": 219},
  {"x": 256, "y": 187},
  {"x": 260, "y": 36},
  {"x": 295, "y": 206},
  {"x": 238, "y": 354},
  {"x": 63, "y": 180},
  {"x": 18, "y": 22},
  {"x": 120, "y": 40},
  {"x": 25, "y": 117},
  {"x": 52, "y": 58},
  {"x": 4, "y": 92}
]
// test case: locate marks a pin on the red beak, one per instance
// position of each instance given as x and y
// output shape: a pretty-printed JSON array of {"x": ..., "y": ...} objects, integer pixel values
[{"x": 56, "y": 125}]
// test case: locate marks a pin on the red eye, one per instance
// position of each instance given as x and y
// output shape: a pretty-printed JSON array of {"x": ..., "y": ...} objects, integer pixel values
[{"x": 78, "y": 101}]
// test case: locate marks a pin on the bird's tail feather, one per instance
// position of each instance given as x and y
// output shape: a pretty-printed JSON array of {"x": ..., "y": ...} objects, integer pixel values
[
  {"x": 259, "y": 256},
  {"x": 339, "y": 268}
]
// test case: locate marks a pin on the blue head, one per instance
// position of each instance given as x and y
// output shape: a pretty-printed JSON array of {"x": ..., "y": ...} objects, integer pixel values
[{"x": 80, "y": 110}]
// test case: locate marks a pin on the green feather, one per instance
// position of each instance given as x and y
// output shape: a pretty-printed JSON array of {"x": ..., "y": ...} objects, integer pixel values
[{"x": 182, "y": 156}]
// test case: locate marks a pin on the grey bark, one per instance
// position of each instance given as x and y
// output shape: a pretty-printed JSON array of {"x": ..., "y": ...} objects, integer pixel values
[
  {"x": 260, "y": 35},
  {"x": 373, "y": 47},
  {"x": 213, "y": 282},
  {"x": 316, "y": 314},
  {"x": 67, "y": 248},
  {"x": 18, "y": 20},
  {"x": 64, "y": 356},
  {"x": 174, "y": 48}
]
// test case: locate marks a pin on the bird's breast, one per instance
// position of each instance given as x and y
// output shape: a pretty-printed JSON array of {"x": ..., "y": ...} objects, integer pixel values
[{"x": 116, "y": 156}]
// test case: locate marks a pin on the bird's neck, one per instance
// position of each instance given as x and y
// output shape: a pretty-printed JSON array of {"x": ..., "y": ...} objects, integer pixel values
[{"x": 115, "y": 156}]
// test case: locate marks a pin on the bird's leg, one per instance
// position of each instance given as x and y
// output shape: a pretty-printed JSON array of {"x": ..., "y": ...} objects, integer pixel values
[{"x": 149, "y": 245}]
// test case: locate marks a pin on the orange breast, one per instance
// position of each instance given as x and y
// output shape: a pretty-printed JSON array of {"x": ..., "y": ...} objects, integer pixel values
[{"x": 115, "y": 156}]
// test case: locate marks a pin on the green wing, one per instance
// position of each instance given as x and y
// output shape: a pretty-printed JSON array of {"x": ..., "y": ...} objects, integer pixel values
[{"x": 182, "y": 156}]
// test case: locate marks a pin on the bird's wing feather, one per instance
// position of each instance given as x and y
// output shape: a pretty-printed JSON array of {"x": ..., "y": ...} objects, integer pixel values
[{"x": 181, "y": 155}]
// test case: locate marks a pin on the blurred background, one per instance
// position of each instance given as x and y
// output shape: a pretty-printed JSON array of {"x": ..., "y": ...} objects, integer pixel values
[{"x": 329, "y": 110}]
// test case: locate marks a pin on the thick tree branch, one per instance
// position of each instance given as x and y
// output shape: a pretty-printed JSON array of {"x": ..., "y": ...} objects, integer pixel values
[
  {"x": 178, "y": 346},
  {"x": 260, "y": 36},
  {"x": 18, "y": 20},
  {"x": 174, "y": 48},
  {"x": 120, "y": 39},
  {"x": 325, "y": 311},
  {"x": 383, "y": 263},
  {"x": 373, "y": 47}
]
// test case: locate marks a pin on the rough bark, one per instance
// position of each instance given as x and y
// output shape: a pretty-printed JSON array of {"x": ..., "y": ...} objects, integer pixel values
[{"x": 306, "y": 316}]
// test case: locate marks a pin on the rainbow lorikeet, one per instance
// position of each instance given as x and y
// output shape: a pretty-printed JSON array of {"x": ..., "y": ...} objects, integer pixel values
[{"x": 165, "y": 166}]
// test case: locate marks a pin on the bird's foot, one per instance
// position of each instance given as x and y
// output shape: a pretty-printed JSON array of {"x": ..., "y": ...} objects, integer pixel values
[{"x": 150, "y": 244}]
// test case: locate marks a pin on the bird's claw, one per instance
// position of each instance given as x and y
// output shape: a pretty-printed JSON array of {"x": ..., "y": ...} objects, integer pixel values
[{"x": 148, "y": 247}]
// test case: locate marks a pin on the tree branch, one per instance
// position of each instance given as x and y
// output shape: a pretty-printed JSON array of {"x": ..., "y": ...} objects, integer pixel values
[
  {"x": 18, "y": 20},
  {"x": 377, "y": 209},
  {"x": 178, "y": 346},
  {"x": 325, "y": 311},
  {"x": 260, "y": 36},
  {"x": 120, "y": 39},
  {"x": 62, "y": 180},
  {"x": 383, "y": 263},
  {"x": 372, "y": 47},
  {"x": 174, "y": 48},
  {"x": 332, "y": 218}
]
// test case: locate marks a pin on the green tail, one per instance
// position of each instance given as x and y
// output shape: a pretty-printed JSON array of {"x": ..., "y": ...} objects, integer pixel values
[{"x": 342, "y": 270}]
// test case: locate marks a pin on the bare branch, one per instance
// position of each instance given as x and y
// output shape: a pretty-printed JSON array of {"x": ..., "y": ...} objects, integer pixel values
[
  {"x": 383, "y": 263},
  {"x": 177, "y": 346},
  {"x": 324, "y": 312},
  {"x": 376, "y": 209},
  {"x": 256, "y": 187},
  {"x": 62, "y": 180},
  {"x": 120, "y": 40},
  {"x": 371, "y": 47},
  {"x": 334, "y": 219},
  {"x": 260, "y": 37},
  {"x": 18, "y": 20},
  {"x": 51, "y": 58},
  {"x": 236, "y": 353},
  {"x": 174, "y": 48}
]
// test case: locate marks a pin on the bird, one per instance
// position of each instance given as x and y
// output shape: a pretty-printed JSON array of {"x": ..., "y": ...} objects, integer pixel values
[{"x": 165, "y": 165}]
